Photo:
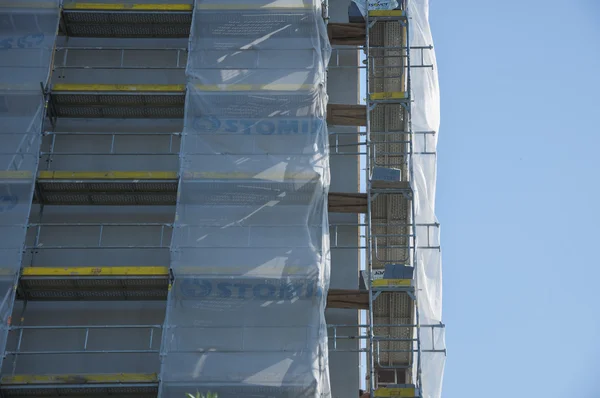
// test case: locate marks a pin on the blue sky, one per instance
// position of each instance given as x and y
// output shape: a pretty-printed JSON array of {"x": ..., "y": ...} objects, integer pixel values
[{"x": 518, "y": 186}]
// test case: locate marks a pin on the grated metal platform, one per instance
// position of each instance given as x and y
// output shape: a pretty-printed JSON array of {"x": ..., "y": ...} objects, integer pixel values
[
  {"x": 106, "y": 188},
  {"x": 155, "y": 20},
  {"x": 81, "y": 19},
  {"x": 93, "y": 283},
  {"x": 117, "y": 101}
]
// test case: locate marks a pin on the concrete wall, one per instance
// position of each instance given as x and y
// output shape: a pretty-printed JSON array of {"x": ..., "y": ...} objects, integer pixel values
[{"x": 343, "y": 88}]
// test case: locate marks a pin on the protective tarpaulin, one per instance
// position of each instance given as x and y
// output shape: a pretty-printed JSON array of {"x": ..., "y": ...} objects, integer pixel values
[
  {"x": 27, "y": 34},
  {"x": 425, "y": 117},
  {"x": 250, "y": 246}
]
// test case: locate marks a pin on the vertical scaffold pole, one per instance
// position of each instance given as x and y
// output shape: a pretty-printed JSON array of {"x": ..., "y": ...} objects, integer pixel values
[
  {"x": 368, "y": 232},
  {"x": 413, "y": 210}
]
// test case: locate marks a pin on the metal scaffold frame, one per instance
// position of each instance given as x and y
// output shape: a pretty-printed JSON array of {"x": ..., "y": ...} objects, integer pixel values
[
  {"x": 396, "y": 95},
  {"x": 390, "y": 184}
]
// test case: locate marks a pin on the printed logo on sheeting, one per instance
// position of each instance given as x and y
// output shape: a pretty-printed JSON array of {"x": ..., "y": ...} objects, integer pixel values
[
  {"x": 29, "y": 41},
  {"x": 267, "y": 126},
  {"x": 194, "y": 289}
]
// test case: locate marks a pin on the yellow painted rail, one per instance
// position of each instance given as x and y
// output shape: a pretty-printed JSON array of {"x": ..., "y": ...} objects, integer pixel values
[
  {"x": 388, "y": 95},
  {"x": 80, "y": 379},
  {"x": 168, "y": 175},
  {"x": 15, "y": 175},
  {"x": 142, "y": 271},
  {"x": 127, "y": 7},
  {"x": 401, "y": 392},
  {"x": 274, "y": 5},
  {"x": 95, "y": 271},
  {"x": 180, "y": 88},
  {"x": 391, "y": 282},
  {"x": 107, "y": 175},
  {"x": 386, "y": 13},
  {"x": 176, "y": 88}
]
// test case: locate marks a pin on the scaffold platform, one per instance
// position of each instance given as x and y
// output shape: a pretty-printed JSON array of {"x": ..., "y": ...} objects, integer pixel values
[
  {"x": 154, "y": 101},
  {"x": 166, "y": 20},
  {"x": 160, "y": 188},
  {"x": 81, "y": 19},
  {"x": 127, "y": 283}
]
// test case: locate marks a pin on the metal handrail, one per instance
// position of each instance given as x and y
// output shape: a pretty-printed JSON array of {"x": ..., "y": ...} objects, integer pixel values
[
  {"x": 38, "y": 226},
  {"x": 333, "y": 337},
  {"x": 122, "y": 50},
  {"x": 335, "y": 149},
  {"x": 333, "y": 227},
  {"x": 165, "y": 229},
  {"x": 18, "y": 351}
]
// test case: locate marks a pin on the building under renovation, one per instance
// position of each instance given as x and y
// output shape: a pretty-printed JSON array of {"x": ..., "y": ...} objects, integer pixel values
[{"x": 226, "y": 196}]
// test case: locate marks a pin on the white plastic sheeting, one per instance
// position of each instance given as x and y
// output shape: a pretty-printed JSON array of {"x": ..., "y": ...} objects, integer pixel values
[
  {"x": 425, "y": 117},
  {"x": 27, "y": 34},
  {"x": 250, "y": 247}
]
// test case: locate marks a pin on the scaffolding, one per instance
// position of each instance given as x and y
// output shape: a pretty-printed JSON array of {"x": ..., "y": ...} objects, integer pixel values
[
  {"x": 402, "y": 338},
  {"x": 398, "y": 230}
]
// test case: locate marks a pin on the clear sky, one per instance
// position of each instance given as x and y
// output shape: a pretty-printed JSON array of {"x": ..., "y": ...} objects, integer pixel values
[{"x": 518, "y": 191}]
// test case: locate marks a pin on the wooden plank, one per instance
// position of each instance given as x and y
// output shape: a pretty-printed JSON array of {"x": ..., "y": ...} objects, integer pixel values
[
  {"x": 347, "y": 202},
  {"x": 346, "y": 115},
  {"x": 347, "y": 34},
  {"x": 348, "y": 299}
]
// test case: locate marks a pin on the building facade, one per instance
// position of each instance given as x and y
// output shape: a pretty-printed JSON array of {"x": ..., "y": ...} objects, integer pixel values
[{"x": 109, "y": 180}]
